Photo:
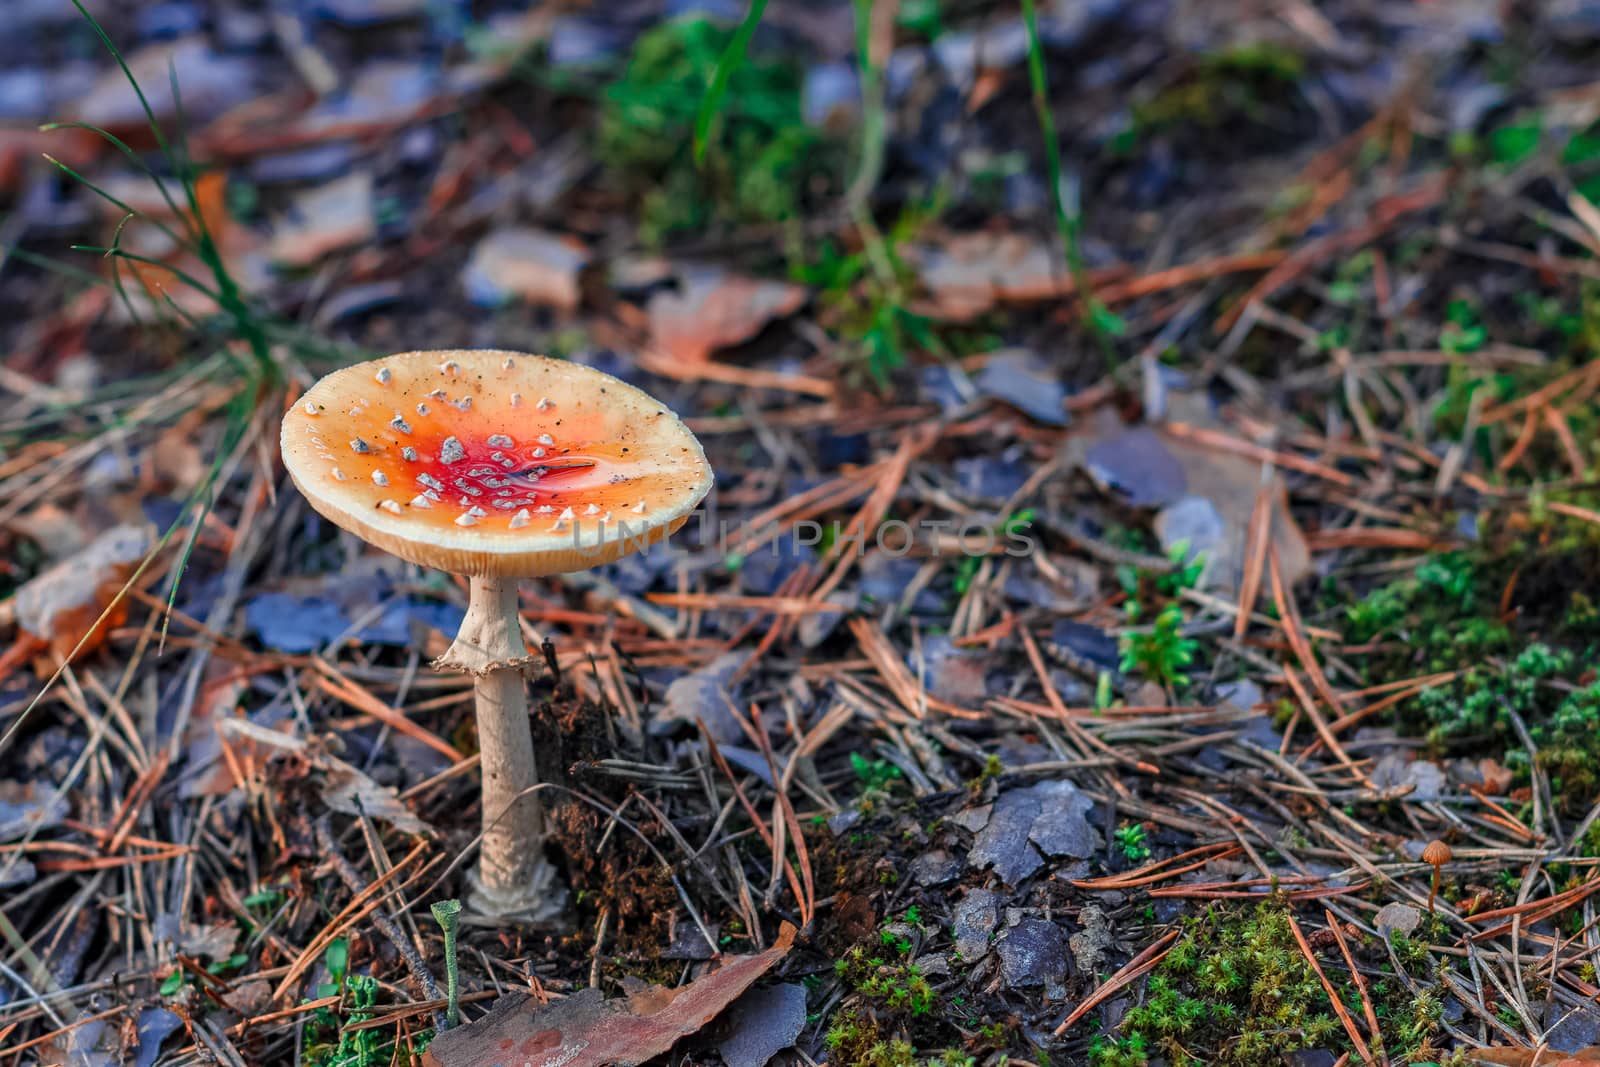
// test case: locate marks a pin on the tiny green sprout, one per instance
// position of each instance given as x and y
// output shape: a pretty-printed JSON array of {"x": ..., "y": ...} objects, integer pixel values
[
  {"x": 1131, "y": 839},
  {"x": 447, "y": 913},
  {"x": 1103, "y": 692}
]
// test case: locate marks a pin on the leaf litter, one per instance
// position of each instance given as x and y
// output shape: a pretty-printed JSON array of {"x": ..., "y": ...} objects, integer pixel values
[{"x": 1307, "y": 544}]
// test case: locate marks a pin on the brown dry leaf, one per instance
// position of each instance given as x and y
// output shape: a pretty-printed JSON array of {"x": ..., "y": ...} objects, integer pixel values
[
  {"x": 1512, "y": 1056},
  {"x": 63, "y": 604},
  {"x": 209, "y": 82},
  {"x": 21, "y": 144},
  {"x": 1229, "y": 484},
  {"x": 155, "y": 277},
  {"x": 522, "y": 263},
  {"x": 712, "y": 309},
  {"x": 971, "y": 272},
  {"x": 586, "y": 1030},
  {"x": 336, "y": 215},
  {"x": 344, "y": 788},
  {"x": 1206, "y": 496},
  {"x": 1496, "y": 778}
]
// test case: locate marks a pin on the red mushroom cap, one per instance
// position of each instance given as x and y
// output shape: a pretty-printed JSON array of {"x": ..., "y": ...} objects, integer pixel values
[{"x": 484, "y": 462}]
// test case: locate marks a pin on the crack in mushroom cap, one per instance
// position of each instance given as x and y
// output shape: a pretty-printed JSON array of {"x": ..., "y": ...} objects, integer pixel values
[{"x": 612, "y": 447}]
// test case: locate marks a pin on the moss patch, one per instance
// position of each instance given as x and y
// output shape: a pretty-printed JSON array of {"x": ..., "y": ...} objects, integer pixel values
[{"x": 1236, "y": 989}]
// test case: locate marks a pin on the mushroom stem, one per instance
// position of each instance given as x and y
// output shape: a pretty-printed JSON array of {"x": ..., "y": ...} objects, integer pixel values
[{"x": 512, "y": 875}]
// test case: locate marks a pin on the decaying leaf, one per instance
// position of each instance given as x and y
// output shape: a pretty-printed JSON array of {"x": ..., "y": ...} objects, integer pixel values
[
  {"x": 325, "y": 219},
  {"x": 525, "y": 264},
  {"x": 586, "y": 1030},
  {"x": 344, "y": 788},
  {"x": 28, "y": 807},
  {"x": 63, "y": 605},
  {"x": 971, "y": 272},
  {"x": 1206, "y": 496},
  {"x": 1509, "y": 1056},
  {"x": 713, "y": 309}
]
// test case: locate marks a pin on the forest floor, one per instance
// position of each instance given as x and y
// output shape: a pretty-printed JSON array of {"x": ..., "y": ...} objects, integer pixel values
[{"x": 1156, "y": 502}]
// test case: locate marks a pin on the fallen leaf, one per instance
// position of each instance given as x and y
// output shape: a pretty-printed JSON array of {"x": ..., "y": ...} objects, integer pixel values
[
  {"x": 1047, "y": 817},
  {"x": 1396, "y": 918},
  {"x": 323, "y": 220},
  {"x": 586, "y": 1030},
  {"x": 969, "y": 273},
  {"x": 525, "y": 264},
  {"x": 1206, "y": 496},
  {"x": 28, "y": 808},
  {"x": 704, "y": 695},
  {"x": 1027, "y": 382},
  {"x": 1513, "y": 1056},
  {"x": 62, "y": 606},
  {"x": 344, "y": 788},
  {"x": 20, "y": 145},
  {"x": 1496, "y": 778},
  {"x": 208, "y": 81},
  {"x": 713, "y": 309}
]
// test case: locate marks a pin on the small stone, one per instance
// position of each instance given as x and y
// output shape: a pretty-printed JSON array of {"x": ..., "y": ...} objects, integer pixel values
[
  {"x": 935, "y": 868},
  {"x": 1025, "y": 381},
  {"x": 1091, "y": 944},
  {"x": 762, "y": 1023},
  {"x": 973, "y": 819},
  {"x": 975, "y": 918},
  {"x": 1033, "y": 953},
  {"x": 1061, "y": 828}
]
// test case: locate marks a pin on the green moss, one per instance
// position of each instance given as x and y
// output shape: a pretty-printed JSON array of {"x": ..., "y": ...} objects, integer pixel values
[
  {"x": 1529, "y": 662},
  {"x": 885, "y": 977},
  {"x": 857, "y": 1037},
  {"x": 1235, "y": 989},
  {"x": 762, "y": 158},
  {"x": 1224, "y": 87}
]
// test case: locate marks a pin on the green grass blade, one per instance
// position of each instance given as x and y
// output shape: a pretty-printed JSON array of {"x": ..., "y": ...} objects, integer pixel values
[
  {"x": 728, "y": 63},
  {"x": 1068, "y": 224},
  {"x": 118, "y": 202},
  {"x": 133, "y": 157}
]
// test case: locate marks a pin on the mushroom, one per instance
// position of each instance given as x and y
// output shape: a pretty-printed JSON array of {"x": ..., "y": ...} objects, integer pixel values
[
  {"x": 474, "y": 485},
  {"x": 1436, "y": 854}
]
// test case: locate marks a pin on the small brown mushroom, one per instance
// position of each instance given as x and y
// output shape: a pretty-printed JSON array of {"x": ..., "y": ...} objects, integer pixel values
[
  {"x": 1436, "y": 854},
  {"x": 496, "y": 466}
]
